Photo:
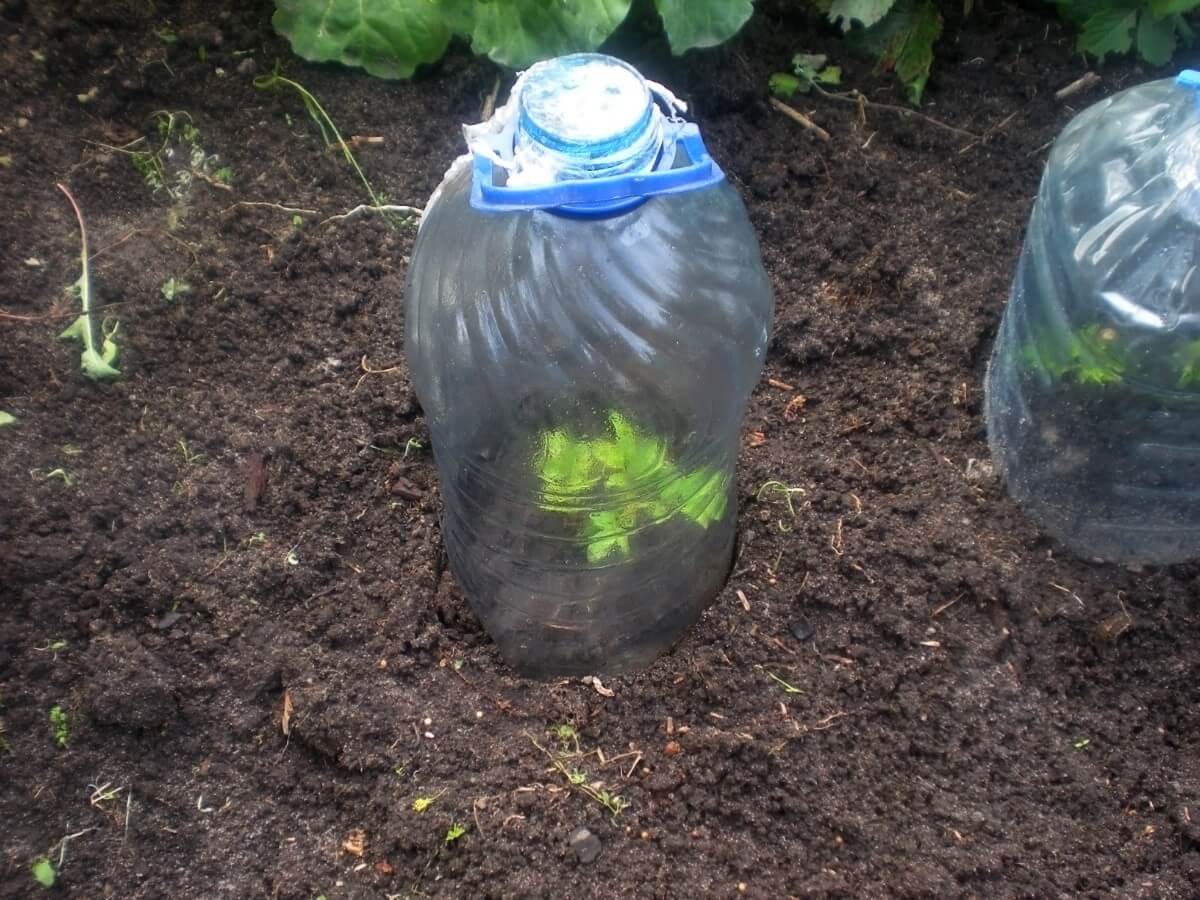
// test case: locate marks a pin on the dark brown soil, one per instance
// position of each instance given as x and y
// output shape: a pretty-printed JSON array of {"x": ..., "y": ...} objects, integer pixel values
[{"x": 971, "y": 715}]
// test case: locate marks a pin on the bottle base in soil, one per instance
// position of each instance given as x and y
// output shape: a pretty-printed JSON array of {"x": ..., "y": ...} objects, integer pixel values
[{"x": 611, "y": 620}]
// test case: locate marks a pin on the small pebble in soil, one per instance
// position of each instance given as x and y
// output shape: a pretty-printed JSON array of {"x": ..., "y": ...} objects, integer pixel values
[
  {"x": 673, "y": 748},
  {"x": 802, "y": 629},
  {"x": 585, "y": 844}
]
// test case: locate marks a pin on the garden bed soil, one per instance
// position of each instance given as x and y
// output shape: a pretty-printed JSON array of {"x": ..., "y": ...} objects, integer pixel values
[{"x": 238, "y": 601}]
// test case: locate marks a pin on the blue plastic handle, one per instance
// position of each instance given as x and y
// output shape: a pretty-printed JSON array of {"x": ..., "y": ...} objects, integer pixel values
[{"x": 604, "y": 196}]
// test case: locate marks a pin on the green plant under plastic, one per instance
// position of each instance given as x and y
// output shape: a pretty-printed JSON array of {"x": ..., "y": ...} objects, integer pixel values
[
  {"x": 391, "y": 38},
  {"x": 1090, "y": 355},
  {"x": 604, "y": 481},
  {"x": 1155, "y": 29}
]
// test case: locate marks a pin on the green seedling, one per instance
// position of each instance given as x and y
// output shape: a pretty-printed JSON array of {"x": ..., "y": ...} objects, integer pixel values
[
  {"x": 566, "y": 735},
  {"x": 787, "y": 688},
  {"x": 454, "y": 832},
  {"x": 190, "y": 456},
  {"x": 329, "y": 131},
  {"x": 7, "y": 418},
  {"x": 44, "y": 872},
  {"x": 297, "y": 221},
  {"x": 423, "y": 803},
  {"x": 811, "y": 69},
  {"x": 62, "y": 475},
  {"x": 97, "y": 363},
  {"x": 412, "y": 444},
  {"x": 6, "y": 161},
  {"x": 173, "y": 288},
  {"x": 1081, "y": 744},
  {"x": 61, "y": 726},
  {"x": 52, "y": 647},
  {"x": 223, "y": 175},
  {"x": 620, "y": 483},
  {"x": 578, "y": 779},
  {"x": 1092, "y": 355},
  {"x": 258, "y": 539},
  {"x": 778, "y": 488}
]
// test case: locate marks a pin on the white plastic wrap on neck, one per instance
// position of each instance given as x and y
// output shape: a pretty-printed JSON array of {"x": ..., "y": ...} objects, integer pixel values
[{"x": 529, "y": 164}]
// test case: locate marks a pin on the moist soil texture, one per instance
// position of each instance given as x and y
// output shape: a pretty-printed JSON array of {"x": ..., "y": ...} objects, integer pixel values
[{"x": 224, "y": 571}]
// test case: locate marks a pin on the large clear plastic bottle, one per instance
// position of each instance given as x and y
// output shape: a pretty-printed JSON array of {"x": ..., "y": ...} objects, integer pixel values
[
  {"x": 1093, "y": 392},
  {"x": 587, "y": 313}
]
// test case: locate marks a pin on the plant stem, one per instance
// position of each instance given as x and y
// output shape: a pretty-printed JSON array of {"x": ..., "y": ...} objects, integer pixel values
[
  {"x": 85, "y": 292},
  {"x": 315, "y": 109}
]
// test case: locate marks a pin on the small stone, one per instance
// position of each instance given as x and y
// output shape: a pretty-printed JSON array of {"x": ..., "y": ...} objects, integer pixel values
[
  {"x": 247, "y": 66},
  {"x": 673, "y": 748},
  {"x": 802, "y": 629},
  {"x": 585, "y": 844}
]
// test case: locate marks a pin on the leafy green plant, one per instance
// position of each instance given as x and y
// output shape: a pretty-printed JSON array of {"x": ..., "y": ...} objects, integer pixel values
[
  {"x": 454, "y": 832},
  {"x": 61, "y": 726},
  {"x": 811, "y": 70},
  {"x": 621, "y": 482},
  {"x": 97, "y": 363},
  {"x": 1153, "y": 28},
  {"x": 900, "y": 34},
  {"x": 44, "y": 872},
  {"x": 390, "y": 38},
  {"x": 1091, "y": 355}
]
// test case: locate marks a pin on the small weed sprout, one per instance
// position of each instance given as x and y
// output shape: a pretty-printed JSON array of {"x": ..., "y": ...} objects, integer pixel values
[
  {"x": 97, "y": 362},
  {"x": 173, "y": 288},
  {"x": 423, "y": 803},
  {"x": 330, "y": 134},
  {"x": 44, "y": 872},
  {"x": 776, "y": 488},
  {"x": 454, "y": 832},
  {"x": 576, "y": 777},
  {"x": 412, "y": 444},
  {"x": 190, "y": 456},
  {"x": 787, "y": 688},
  {"x": 7, "y": 418},
  {"x": 61, "y": 726},
  {"x": 62, "y": 475}
]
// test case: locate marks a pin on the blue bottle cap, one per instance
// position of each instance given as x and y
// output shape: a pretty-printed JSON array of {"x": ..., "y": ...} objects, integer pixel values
[
  {"x": 588, "y": 115},
  {"x": 588, "y": 138}
]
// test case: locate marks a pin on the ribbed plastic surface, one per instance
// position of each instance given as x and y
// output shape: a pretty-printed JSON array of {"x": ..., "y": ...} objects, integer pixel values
[
  {"x": 584, "y": 382},
  {"x": 1093, "y": 392}
]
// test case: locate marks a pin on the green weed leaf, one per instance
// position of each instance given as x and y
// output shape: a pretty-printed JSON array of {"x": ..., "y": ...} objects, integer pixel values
[
  {"x": 865, "y": 12},
  {"x": 1108, "y": 31},
  {"x": 784, "y": 85},
  {"x": 44, "y": 872},
  {"x": 7, "y": 418},
  {"x": 1156, "y": 39},
  {"x": 388, "y": 38},
  {"x": 516, "y": 33},
  {"x": 702, "y": 23},
  {"x": 903, "y": 42}
]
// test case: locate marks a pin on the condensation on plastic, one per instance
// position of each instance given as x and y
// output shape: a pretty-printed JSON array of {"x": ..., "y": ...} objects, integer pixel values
[
  {"x": 1093, "y": 390},
  {"x": 536, "y": 341}
]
